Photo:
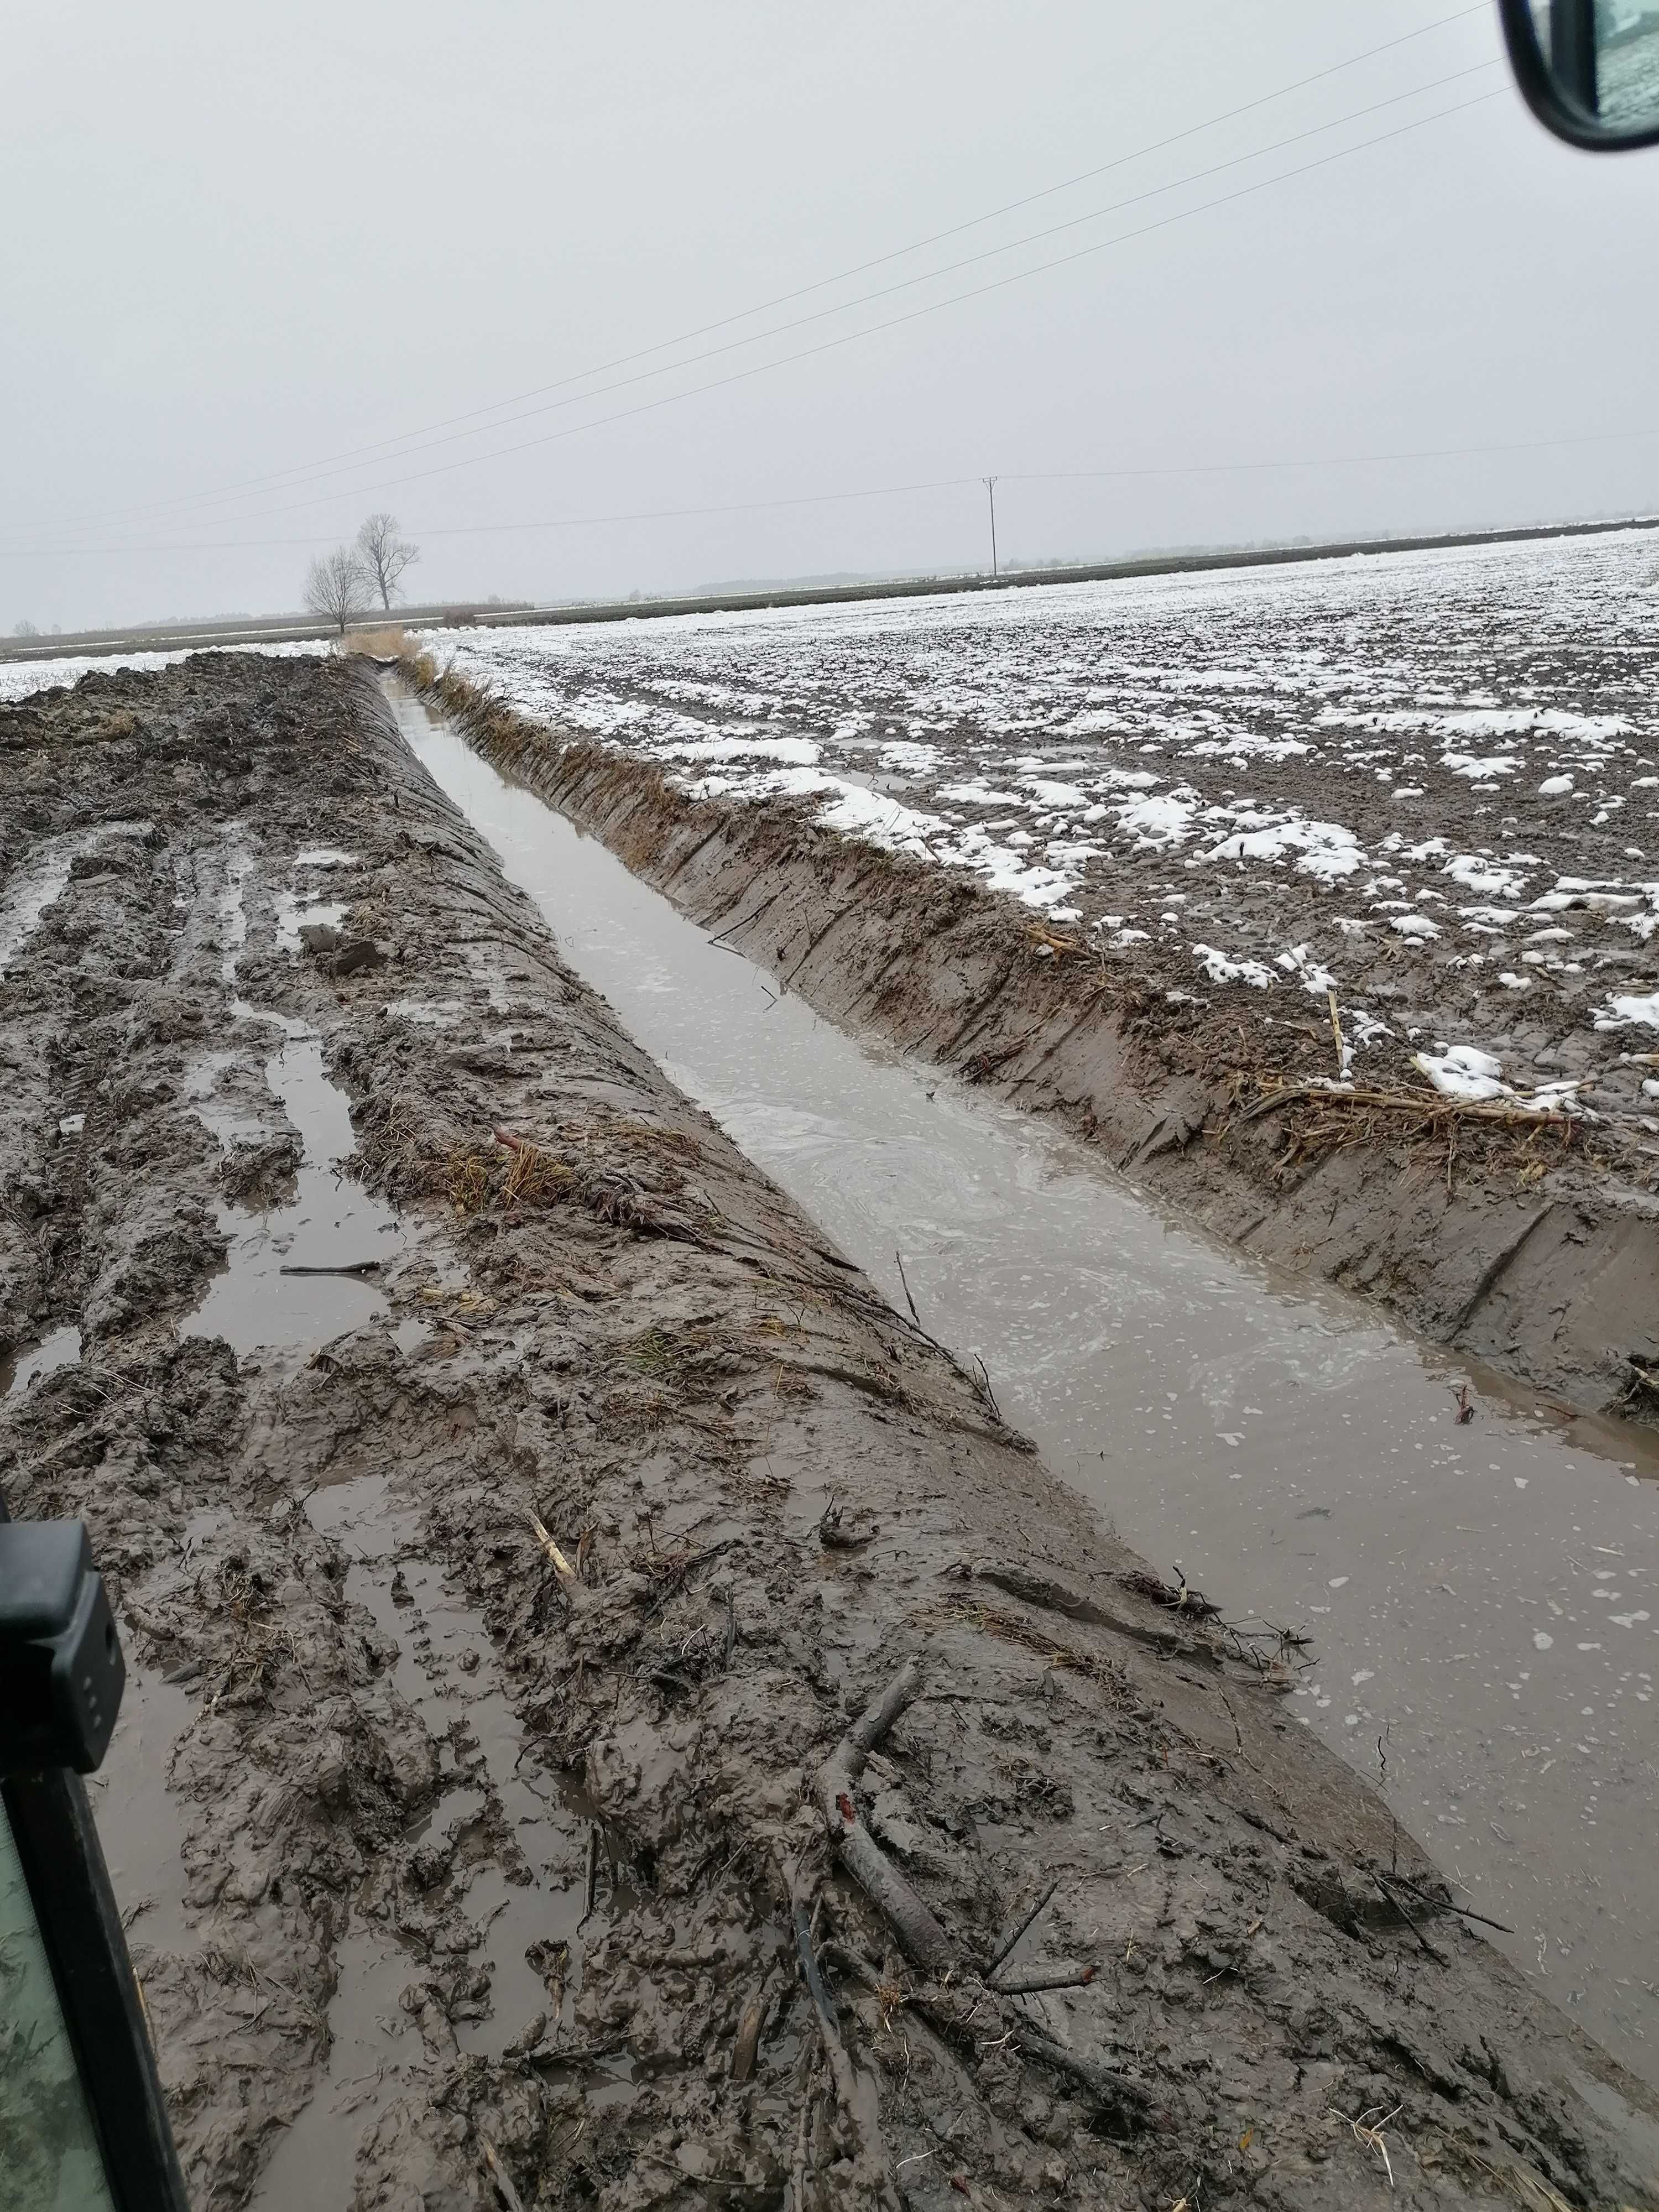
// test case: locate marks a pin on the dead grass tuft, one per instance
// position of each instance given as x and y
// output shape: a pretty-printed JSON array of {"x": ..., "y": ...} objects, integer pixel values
[
  {"x": 389, "y": 642},
  {"x": 1010, "y": 1628},
  {"x": 469, "y": 1173},
  {"x": 534, "y": 1177}
]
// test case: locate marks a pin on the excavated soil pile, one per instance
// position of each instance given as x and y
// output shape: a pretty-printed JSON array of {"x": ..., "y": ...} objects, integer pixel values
[{"x": 623, "y": 1720}]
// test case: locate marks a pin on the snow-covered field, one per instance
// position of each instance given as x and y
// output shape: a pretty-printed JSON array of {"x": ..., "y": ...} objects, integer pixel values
[{"x": 1429, "y": 782}]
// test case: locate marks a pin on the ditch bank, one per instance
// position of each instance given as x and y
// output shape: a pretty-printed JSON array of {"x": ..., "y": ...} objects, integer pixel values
[
  {"x": 616, "y": 1713},
  {"x": 1528, "y": 1240}
]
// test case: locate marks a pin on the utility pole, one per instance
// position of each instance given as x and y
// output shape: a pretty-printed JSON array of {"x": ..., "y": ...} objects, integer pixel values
[{"x": 990, "y": 483}]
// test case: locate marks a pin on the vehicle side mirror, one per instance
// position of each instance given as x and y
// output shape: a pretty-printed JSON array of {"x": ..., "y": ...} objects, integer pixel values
[{"x": 1588, "y": 69}]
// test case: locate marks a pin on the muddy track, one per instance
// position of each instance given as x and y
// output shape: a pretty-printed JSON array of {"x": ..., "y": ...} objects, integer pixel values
[
  {"x": 493, "y": 1814},
  {"x": 1522, "y": 1246}
]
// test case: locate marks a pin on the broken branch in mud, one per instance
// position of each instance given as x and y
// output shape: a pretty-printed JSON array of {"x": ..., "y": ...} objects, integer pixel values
[
  {"x": 503, "y": 2180},
  {"x": 918, "y": 1933},
  {"x": 1431, "y": 1107},
  {"x": 870, "y": 2163},
  {"x": 1068, "y": 1976},
  {"x": 1115, "y": 2091}
]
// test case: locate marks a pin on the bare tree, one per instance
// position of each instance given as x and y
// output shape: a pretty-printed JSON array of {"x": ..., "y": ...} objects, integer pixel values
[
  {"x": 385, "y": 554},
  {"x": 337, "y": 586}
]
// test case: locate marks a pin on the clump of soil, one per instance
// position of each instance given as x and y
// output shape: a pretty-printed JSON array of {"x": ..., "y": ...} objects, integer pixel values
[{"x": 638, "y": 1726}]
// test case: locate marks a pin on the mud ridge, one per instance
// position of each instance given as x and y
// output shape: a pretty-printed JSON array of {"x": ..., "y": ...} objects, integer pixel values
[
  {"x": 1515, "y": 1241},
  {"x": 617, "y": 1718}
]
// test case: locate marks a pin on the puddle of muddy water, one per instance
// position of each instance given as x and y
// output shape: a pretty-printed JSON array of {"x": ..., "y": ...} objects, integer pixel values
[
  {"x": 1483, "y": 1599},
  {"x": 492, "y": 1805},
  {"x": 19, "y": 1369},
  {"x": 303, "y": 1274},
  {"x": 141, "y": 1820}
]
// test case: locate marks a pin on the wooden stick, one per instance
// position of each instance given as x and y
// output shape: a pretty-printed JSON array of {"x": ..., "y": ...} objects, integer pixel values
[
  {"x": 905, "y": 1280},
  {"x": 1071, "y": 1976},
  {"x": 1012, "y": 1935}
]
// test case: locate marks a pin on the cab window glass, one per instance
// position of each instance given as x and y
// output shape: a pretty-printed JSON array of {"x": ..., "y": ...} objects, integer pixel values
[{"x": 49, "y": 2156}]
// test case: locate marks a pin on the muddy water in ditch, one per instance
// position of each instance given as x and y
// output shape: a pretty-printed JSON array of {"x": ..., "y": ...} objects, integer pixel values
[{"x": 1482, "y": 1598}]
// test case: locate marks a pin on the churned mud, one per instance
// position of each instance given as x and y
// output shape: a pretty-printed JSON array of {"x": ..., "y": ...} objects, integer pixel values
[
  {"x": 617, "y": 1714},
  {"x": 1326, "y": 898}
]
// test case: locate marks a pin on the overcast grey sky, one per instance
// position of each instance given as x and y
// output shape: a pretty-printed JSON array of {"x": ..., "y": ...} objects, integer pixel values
[{"x": 245, "y": 241}]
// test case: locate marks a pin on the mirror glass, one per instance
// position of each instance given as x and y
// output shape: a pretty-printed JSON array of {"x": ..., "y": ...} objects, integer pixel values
[
  {"x": 49, "y": 2160},
  {"x": 1603, "y": 58}
]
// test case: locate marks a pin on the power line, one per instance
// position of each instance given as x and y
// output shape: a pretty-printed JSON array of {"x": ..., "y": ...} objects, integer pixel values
[
  {"x": 949, "y": 269},
  {"x": 974, "y": 292},
  {"x": 276, "y": 477},
  {"x": 887, "y": 491}
]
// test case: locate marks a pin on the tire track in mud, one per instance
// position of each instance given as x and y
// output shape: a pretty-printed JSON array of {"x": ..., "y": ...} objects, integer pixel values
[{"x": 398, "y": 1712}]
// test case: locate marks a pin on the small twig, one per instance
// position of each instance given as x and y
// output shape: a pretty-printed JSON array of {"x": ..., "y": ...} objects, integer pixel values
[
  {"x": 801, "y": 1920},
  {"x": 905, "y": 1280},
  {"x": 1423, "y": 1944},
  {"x": 1012, "y": 1935},
  {"x": 1448, "y": 1904},
  {"x": 981, "y": 1380},
  {"x": 593, "y": 1882},
  {"x": 1368, "y": 2130}
]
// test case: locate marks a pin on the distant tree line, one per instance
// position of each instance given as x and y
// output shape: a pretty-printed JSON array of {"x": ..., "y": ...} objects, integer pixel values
[{"x": 345, "y": 583}]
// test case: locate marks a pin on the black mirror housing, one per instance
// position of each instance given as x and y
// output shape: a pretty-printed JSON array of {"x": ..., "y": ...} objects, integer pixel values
[
  {"x": 1588, "y": 69},
  {"x": 61, "y": 1669}
]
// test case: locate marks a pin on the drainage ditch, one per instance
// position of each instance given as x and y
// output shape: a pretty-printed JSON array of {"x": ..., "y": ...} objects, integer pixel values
[{"x": 1479, "y": 1593}]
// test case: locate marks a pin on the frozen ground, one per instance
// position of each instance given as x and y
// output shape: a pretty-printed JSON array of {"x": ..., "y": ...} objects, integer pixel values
[{"x": 1428, "y": 781}]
